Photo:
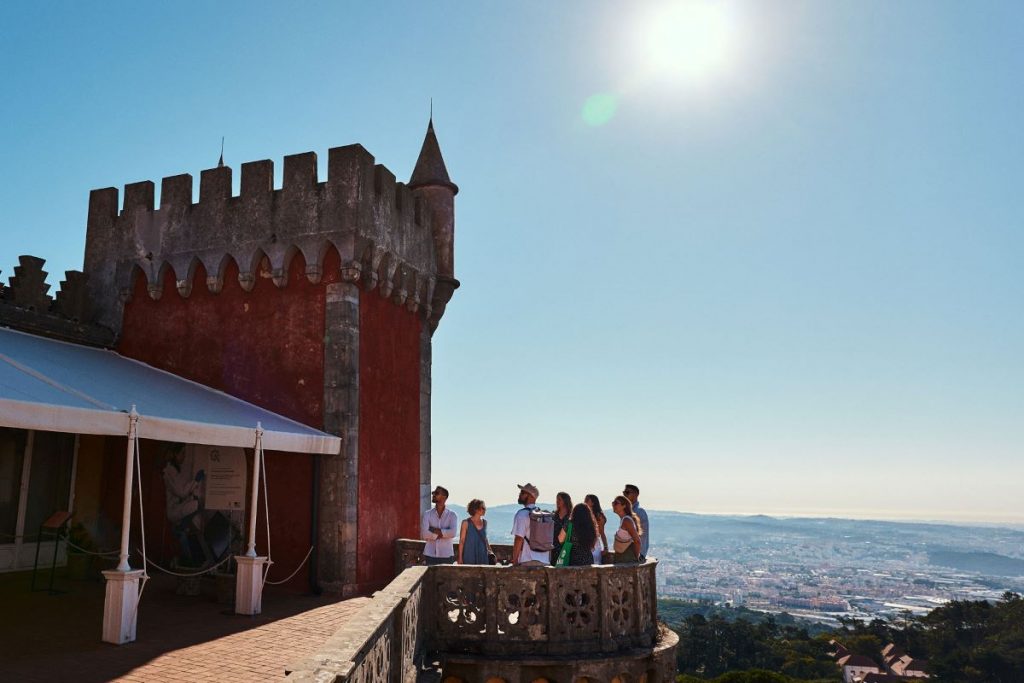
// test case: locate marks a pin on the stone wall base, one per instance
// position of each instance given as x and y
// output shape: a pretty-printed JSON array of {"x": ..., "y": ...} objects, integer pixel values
[{"x": 657, "y": 665}]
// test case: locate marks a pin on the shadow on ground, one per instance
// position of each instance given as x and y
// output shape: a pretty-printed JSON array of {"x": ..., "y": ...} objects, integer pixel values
[{"x": 46, "y": 637}]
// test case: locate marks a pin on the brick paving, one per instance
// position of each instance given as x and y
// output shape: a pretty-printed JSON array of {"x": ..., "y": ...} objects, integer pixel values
[{"x": 57, "y": 637}]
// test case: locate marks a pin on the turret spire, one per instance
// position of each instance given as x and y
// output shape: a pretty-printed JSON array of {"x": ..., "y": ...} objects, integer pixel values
[{"x": 430, "y": 168}]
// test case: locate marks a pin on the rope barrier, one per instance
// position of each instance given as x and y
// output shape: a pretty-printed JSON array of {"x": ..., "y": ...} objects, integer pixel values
[
  {"x": 91, "y": 552},
  {"x": 292, "y": 575},
  {"x": 154, "y": 565}
]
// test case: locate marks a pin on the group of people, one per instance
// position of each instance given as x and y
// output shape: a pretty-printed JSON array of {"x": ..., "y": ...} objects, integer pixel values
[{"x": 579, "y": 534}]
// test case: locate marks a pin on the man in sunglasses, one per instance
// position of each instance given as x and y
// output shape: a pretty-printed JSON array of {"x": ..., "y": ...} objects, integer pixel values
[{"x": 632, "y": 492}]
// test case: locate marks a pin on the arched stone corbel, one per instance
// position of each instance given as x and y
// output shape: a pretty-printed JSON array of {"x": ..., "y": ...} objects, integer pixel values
[
  {"x": 247, "y": 280},
  {"x": 279, "y": 277},
  {"x": 412, "y": 303},
  {"x": 156, "y": 288},
  {"x": 387, "y": 280},
  {"x": 184, "y": 285},
  {"x": 372, "y": 275},
  {"x": 352, "y": 271},
  {"x": 314, "y": 254}
]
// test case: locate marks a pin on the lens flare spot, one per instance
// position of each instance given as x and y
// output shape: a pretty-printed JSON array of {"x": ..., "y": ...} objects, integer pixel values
[{"x": 599, "y": 109}]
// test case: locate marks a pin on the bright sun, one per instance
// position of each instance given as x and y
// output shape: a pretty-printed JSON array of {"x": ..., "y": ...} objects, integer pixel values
[{"x": 687, "y": 41}]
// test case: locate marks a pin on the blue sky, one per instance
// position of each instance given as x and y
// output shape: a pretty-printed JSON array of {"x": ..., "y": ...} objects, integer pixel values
[{"x": 790, "y": 283}]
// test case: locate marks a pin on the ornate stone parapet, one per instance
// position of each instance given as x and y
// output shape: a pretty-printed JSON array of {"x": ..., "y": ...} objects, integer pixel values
[
  {"x": 543, "y": 611},
  {"x": 503, "y": 624}
]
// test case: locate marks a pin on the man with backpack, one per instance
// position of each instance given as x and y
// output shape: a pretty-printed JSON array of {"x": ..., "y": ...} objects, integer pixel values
[{"x": 533, "y": 530}]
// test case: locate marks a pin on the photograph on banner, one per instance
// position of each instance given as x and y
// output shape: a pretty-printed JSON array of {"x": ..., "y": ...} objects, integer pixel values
[{"x": 205, "y": 495}]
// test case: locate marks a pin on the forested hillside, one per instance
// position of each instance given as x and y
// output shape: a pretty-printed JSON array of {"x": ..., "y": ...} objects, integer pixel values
[{"x": 967, "y": 642}]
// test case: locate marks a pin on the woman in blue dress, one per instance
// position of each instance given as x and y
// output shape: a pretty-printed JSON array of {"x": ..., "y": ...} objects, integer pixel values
[{"x": 473, "y": 545}]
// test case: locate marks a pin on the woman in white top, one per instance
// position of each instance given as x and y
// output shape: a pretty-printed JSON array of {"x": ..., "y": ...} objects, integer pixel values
[{"x": 627, "y": 536}]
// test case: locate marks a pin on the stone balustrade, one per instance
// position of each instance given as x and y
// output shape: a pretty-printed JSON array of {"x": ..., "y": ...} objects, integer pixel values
[
  {"x": 502, "y": 624},
  {"x": 383, "y": 643}
]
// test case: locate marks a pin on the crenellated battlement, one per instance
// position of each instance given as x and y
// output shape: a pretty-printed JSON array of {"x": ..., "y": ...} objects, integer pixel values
[
  {"x": 25, "y": 304},
  {"x": 380, "y": 228}
]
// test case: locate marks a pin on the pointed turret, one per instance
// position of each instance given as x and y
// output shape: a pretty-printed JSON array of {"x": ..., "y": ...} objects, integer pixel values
[
  {"x": 436, "y": 192},
  {"x": 430, "y": 168}
]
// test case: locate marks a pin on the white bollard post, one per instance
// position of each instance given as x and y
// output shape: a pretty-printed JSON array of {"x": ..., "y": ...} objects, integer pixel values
[
  {"x": 121, "y": 605},
  {"x": 249, "y": 585}
]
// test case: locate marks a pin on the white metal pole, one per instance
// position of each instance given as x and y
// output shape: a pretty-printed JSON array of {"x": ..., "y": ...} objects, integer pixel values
[
  {"x": 257, "y": 455},
  {"x": 129, "y": 475}
]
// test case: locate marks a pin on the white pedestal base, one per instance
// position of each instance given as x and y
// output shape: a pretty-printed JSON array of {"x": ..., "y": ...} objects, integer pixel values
[
  {"x": 120, "y": 607},
  {"x": 249, "y": 584}
]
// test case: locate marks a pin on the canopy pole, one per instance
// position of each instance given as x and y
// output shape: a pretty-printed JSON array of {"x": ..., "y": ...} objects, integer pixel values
[
  {"x": 121, "y": 597},
  {"x": 250, "y": 576},
  {"x": 257, "y": 456},
  {"x": 129, "y": 475}
]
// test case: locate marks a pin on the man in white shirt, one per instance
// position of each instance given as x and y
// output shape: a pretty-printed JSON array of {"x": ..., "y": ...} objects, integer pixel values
[
  {"x": 632, "y": 494},
  {"x": 437, "y": 528},
  {"x": 522, "y": 553}
]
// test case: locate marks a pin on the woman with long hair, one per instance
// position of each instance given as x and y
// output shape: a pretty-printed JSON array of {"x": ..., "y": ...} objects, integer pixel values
[
  {"x": 584, "y": 536},
  {"x": 627, "y": 536},
  {"x": 595, "y": 507},
  {"x": 563, "y": 508}
]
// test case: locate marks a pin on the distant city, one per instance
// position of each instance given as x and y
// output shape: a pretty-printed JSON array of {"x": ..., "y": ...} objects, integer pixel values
[{"x": 822, "y": 569}]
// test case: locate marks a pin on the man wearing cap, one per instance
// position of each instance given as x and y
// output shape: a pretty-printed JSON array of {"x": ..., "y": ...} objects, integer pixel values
[
  {"x": 631, "y": 492},
  {"x": 522, "y": 554},
  {"x": 437, "y": 528}
]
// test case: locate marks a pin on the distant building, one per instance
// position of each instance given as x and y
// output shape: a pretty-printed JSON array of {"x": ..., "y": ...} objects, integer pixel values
[
  {"x": 898, "y": 663},
  {"x": 855, "y": 667},
  {"x": 839, "y": 650},
  {"x": 909, "y": 667}
]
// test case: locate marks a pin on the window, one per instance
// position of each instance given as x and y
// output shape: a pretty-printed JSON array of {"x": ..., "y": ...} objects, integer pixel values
[
  {"x": 49, "y": 482},
  {"x": 36, "y": 479},
  {"x": 12, "y": 457}
]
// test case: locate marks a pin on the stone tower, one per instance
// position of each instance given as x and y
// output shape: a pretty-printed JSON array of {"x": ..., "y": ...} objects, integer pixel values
[{"x": 316, "y": 300}]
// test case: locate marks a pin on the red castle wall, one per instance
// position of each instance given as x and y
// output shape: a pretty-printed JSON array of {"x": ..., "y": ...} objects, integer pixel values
[
  {"x": 264, "y": 346},
  {"x": 267, "y": 347},
  {"x": 389, "y": 434}
]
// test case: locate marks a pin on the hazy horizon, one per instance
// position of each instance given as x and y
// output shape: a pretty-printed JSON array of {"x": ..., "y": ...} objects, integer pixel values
[
  {"x": 756, "y": 257},
  {"x": 1010, "y": 523}
]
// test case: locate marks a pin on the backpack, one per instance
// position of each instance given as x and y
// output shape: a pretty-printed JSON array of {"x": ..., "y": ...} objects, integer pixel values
[{"x": 541, "y": 536}]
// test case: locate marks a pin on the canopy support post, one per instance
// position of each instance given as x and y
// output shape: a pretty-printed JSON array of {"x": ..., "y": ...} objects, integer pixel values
[
  {"x": 249, "y": 579},
  {"x": 120, "y": 605}
]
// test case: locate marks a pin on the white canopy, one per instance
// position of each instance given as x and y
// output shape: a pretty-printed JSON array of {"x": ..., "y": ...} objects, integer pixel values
[{"x": 56, "y": 386}]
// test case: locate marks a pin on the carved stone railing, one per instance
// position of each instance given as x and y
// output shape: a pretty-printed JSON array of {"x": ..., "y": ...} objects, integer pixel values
[
  {"x": 542, "y": 610},
  {"x": 487, "y": 623},
  {"x": 383, "y": 642}
]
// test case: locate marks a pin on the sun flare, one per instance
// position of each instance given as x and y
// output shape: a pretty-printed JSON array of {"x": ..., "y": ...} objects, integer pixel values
[{"x": 686, "y": 41}]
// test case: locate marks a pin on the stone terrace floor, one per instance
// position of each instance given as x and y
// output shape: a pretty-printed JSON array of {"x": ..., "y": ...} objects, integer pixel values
[{"x": 57, "y": 637}]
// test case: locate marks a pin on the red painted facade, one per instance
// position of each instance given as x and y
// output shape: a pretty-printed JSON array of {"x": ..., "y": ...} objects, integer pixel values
[
  {"x": 265, "y": 346},
  {"x": 389, "y": 434}
]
